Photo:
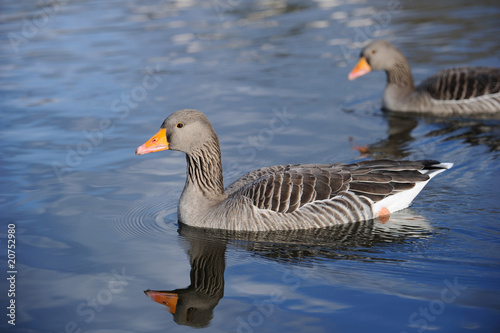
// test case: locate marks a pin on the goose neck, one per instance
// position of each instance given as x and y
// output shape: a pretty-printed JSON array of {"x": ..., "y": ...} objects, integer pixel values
[
  {"x": 400, "y": 74},
  {"x": 204, "y": 170}
]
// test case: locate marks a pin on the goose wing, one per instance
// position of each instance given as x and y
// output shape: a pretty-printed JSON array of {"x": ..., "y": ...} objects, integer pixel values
[
  {"x": 256, "y": 174},
  {"x": 462, "y": 83},
  {"x": 286, "y": 188}
]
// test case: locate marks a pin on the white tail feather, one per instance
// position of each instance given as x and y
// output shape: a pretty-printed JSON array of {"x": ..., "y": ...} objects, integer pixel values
[{"x": 403, "y": 199}]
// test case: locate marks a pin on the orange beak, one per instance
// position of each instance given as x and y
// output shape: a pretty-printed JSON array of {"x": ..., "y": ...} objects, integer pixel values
[
  {"x": 165, "y": 298},
  {"x": 156, "y": 143},
  {"x": 360, "y": 69}
]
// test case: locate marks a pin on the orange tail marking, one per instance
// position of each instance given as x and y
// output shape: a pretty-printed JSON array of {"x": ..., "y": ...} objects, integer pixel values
[{"x": 383, "y": 215}]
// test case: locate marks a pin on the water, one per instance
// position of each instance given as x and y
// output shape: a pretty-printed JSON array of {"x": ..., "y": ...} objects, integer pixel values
[{"x": 86, "y": 82}]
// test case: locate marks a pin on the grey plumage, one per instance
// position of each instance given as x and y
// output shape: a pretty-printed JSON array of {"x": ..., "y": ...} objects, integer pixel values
[
  {"x": 454, "y": 91},
  {"x": 462, "y": 83},
  {"x": 283, "y": 197}
]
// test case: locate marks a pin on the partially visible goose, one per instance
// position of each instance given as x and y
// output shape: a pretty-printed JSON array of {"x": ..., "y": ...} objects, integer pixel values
[
  {"x": 282, "y": 197},
  {"x": 457, "y": 91}
]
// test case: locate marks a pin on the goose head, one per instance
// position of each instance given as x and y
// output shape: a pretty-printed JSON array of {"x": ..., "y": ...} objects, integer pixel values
[
  {"x": 185, "y": 130},
  {"x": 378, "y": 55}
]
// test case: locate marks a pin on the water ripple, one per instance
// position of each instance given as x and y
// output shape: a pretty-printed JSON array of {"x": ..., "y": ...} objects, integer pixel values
[{"x": 144, "y": 220}]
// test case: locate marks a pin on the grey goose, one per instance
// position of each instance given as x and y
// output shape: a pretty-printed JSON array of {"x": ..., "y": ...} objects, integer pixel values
[
  {"x": 454, "y": 91},
  {"x": 282, "y": 197}
]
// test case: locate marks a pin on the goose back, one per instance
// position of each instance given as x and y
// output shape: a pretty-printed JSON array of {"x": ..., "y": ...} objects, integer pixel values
[{"x": 462, "y": 83}]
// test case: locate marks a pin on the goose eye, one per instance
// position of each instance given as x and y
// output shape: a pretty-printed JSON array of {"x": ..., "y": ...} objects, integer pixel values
[
  {"x": 373, "y": 51},
  {"x": 188, "y": 314},
  {"x": 180, "y": 125}
]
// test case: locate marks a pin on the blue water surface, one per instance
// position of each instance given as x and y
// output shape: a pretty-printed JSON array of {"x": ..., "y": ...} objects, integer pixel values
[{"x": 83, "y": 83}]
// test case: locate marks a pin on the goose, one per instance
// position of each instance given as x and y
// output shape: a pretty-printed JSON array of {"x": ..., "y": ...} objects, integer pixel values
[
  {"x": 282, "y": 197},
  {"x": 454, "y": 91}
]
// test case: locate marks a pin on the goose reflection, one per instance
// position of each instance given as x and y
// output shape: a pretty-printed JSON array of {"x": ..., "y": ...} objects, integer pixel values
[
  {"x": 399, "y": 140},
  {"x": 193, "y": 306}
]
